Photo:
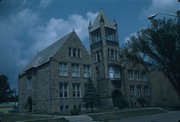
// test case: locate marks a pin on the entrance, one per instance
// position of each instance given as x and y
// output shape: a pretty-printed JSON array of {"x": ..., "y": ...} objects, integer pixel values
[
  {"x": 29, "y": 104},
  {"x": 116, "y": 98}
]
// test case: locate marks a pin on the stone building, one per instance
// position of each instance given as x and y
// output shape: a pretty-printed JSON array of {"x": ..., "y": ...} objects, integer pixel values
[
  {"x": 54, "y": 80},
  {"x": 163, "y": 93}
]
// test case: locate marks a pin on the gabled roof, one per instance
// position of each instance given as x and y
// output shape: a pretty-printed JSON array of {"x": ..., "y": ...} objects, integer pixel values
[
  {"x": 102, "y": 17},
  {"x": 45, "y": 55}
]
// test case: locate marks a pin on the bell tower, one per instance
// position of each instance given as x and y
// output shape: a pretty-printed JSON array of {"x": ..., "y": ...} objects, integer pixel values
[{"x": 104, "y": 46}]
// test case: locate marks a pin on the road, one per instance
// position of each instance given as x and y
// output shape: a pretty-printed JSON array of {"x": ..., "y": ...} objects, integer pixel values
[{"x": 171, "y": 116}]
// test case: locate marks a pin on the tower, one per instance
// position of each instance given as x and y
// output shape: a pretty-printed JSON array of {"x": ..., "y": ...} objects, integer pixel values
[{"x": 104, "y": 46}]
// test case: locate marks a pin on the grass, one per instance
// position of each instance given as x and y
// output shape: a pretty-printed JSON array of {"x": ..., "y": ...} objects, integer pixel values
[
  {"x": 31, "y": 118},
  {"x": 98, "y": 115},
  {"x": 125, "y": 114},
  {"x": 5, "y": 109}
]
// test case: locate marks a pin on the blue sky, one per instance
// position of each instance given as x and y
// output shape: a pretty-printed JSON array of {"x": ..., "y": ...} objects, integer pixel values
[{"x": 28, "y": 26}]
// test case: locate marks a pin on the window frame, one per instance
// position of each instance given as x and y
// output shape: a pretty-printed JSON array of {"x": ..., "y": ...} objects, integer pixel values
[
  {"x": 76, "y": 90},
  {"x": 87, "y": 71},
  {"x": 76, "y": 70},
  {"x": 112, "y": 71},
  {"x": 64, "y": 92},
  {"x": 63, "y": 69},
  {"x": 29, "y": 84}
]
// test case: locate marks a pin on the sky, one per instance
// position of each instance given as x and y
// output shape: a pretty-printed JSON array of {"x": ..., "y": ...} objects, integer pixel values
[{"x": 28, "y": 26}]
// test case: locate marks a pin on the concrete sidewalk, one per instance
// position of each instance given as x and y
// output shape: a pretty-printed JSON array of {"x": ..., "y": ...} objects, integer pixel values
[{"x": 77, "y": 118}]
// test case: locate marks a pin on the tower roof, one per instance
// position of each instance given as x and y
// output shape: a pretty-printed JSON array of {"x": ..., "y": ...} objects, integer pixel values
[{"x": 102, "y": 18}]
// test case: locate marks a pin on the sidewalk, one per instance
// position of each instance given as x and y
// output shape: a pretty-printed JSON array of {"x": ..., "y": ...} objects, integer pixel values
[{"x": 77, "y": 118}]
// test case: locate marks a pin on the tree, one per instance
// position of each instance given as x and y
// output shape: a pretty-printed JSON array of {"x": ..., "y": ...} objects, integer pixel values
[
  {"x": 158, "y": 47},
  {"x": 91, "y": 97},
  {"x": 5, "y": 91}
]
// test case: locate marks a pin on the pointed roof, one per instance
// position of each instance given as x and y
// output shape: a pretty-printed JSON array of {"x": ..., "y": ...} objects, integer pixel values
[
  {"x": 102, "y": 18},
  {"x": 47, "y": 53}
]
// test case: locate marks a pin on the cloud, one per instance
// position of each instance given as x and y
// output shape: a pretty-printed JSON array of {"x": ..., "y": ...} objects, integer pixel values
[
  {"x": 170, "y": 6},
  {"x": 23, "y": 33},
  {"x": 127, "y": 39},
  {"x": 12, "y": 40},
  {"x": 44, "y": 3},
  {"x": 56, "y": 28}
]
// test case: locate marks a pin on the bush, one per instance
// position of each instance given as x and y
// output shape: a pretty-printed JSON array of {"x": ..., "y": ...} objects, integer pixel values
[
  {"x": 123, "y": 103},
  {"x": 75, "y": 111},
  {"x": 142, "y": 101}
]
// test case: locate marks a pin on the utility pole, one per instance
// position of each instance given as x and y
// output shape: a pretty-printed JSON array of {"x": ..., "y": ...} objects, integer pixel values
[{"x": 178, "y": 16}]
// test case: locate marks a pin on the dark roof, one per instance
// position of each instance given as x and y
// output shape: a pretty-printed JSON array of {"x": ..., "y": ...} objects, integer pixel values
[
  {"x": 45, "y": 55},
  {"x": 102, "y": 17}
]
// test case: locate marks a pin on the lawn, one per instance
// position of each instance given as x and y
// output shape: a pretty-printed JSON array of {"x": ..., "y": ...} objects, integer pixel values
[
  {"x": 14, "y": 118},
  {"x": 98, "y": 115},
  {"x": 125, "y": 114}
]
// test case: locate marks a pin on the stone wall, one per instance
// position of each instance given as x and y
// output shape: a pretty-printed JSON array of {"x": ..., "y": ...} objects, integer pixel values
[
  {"x": 163, "y": 93},
  {"x": 40, "y": 91}
]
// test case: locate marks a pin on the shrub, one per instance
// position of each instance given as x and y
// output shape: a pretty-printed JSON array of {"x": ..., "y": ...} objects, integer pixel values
[
  {"x": 75, "y": 111},
  {"x": 123, "y": 103},
  {"x": 120, "y": 102}
]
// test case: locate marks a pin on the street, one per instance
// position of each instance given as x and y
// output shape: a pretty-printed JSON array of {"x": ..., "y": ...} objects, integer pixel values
[{"x": 171, "y": 116}]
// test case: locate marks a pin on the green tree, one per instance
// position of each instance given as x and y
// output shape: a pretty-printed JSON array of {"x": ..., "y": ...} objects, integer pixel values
[
  {"x": 91, "y": 97},
  {"x": 158, "y": 47},
  {"x": 5, "y": 91}
]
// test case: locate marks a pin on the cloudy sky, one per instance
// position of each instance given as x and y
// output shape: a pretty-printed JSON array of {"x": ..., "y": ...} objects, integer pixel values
[{"x": 28, "y": 26}]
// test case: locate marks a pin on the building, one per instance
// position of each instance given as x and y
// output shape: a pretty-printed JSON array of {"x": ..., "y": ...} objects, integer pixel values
[
  {"x": 54, "y": 80},
  {"x": 163, "y": 93}
]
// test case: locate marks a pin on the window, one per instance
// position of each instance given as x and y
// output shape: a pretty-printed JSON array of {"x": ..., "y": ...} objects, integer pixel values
[
  {"x": 139, "y": 90},
  {"x": 116, "y": 56},
  {"x": 63, "y": 90},
  {"x": 66, "y": 107},
  {"x": 70, "y": 52},
  {"x": 146, "y": 91},
  {"x": 76, "y": 90},
  {"x": 61, "y": 108},
  {"x": 79, "y": 107},
  {"x": 75, "y": 70},
  {"x": 96, "y": 36},
  {"x": 74, "y": 52},
  {"x": 78, "y": 53},
  {"x": 130, "y": 75},
  {"x": 114, "y": 72},
  {"x": 132, "y": 90},
  {"x": 29, "y": 84},
  {"x": 144, "y": 76},
  {"x": 87, "y": 71},
  {"x": 112, "y": 55},
  {"x": 63, "y": 69},
  {"x": 97, "y": 56},
  {"x": 110, "y": 34},
  {"x": 137, "y": 75}
]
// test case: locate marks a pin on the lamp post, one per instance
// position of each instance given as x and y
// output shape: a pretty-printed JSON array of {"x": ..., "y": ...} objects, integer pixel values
[{"x": 169, "y": 14}]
